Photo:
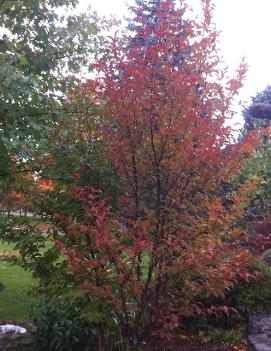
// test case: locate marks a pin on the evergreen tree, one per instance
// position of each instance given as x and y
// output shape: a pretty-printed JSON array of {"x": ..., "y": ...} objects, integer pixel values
[{"x": 258, "y": 113}]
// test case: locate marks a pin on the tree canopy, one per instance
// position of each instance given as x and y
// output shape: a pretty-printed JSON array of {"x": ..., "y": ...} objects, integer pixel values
[
  {"x": 258, "y": 113},
  {"x": 43, "y": 45}
]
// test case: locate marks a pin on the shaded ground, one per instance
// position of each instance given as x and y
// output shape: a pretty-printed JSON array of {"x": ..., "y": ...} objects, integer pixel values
[{"x": 188, "y": 344}]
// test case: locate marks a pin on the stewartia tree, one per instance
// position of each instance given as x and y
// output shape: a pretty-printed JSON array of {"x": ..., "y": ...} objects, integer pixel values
[{"x": 166, "y": 102}]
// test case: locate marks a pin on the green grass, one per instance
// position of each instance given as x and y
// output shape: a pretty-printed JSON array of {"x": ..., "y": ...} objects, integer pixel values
[
  {"x": 15, "y": 300},
  {"x": 6, "y": 247}
]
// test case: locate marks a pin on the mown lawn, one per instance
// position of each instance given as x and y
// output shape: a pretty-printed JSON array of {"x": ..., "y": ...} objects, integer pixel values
[{"x": 15, "y": 300}]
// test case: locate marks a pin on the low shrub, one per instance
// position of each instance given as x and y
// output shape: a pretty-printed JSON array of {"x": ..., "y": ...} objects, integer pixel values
[
  {"x": 61, "y": 327},
  {"x": 252, "y": 297},
  {"x": 245, "y": 299}
]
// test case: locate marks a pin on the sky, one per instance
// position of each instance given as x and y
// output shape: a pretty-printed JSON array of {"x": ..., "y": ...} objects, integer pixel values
[{"x": 245, "y": 27}]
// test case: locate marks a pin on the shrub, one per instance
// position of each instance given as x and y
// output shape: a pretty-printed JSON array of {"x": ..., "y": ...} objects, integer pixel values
[
  {"x": 60, "y": 327},
  {"x": 254, "y": 296},
  {"x": 245, "y": 299}
]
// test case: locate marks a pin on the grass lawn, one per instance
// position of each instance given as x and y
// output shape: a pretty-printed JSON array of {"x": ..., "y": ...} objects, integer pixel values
[{"x": 15, "y": 302}]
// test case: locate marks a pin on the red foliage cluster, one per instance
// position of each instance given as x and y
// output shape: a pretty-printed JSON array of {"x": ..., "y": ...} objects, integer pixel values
[{"x": 261, "y": 239}]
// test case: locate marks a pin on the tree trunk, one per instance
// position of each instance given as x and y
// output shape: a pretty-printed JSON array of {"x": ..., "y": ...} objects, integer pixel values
[{"x": 100, "y": 335}]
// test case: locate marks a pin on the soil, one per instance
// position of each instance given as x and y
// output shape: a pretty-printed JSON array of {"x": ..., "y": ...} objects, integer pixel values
[{"x": 188, "y": 344}]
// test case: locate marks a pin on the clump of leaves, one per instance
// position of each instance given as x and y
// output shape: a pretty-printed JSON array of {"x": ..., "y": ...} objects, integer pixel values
[
  {"x": 60, "y": 327},
  {"x": 253, "y": 296}
]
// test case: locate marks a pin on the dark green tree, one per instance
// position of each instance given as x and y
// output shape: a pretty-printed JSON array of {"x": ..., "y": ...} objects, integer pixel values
[
  {"x": 43, "y": 46},
  {"x": 258, "y": 113}
]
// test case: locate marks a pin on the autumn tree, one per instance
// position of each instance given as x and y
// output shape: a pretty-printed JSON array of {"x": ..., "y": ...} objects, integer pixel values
[
  {"x": 45, "y": 46},
  {"x": 165, "y": 101}
]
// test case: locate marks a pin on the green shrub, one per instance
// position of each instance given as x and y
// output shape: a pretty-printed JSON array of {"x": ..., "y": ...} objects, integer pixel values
[
  {"x": 246, "y": 298},
  {"x": 252, "y": 297},
  {"x": 60, "y": 327}
]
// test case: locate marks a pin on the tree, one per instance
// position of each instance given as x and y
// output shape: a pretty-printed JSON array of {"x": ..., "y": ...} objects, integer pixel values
[
  {"x": 74, "y": 155},
  {"x": 43, "y": 46},
  {"x": 257, "y": 117},
  {"x": 173, "y": 242},
  {"x": 258, "y": 113}
]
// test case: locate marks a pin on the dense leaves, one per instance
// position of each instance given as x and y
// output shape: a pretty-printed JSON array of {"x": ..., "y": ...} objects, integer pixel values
[
  {"x": 173, "y": 242},
  {"x": 43, "y": 45},
  {"x": 257, "y": 116},
  {"x": 133, "y": 182},
  {"x": 258, "y": 113}
]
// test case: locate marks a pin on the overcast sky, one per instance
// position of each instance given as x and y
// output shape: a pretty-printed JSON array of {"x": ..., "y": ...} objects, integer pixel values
[{"x": 246, "y": 31}]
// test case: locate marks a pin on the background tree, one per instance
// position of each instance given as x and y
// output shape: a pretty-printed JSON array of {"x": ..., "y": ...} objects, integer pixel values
[
  {"x": 258, "y": 113},
  {"x": 257, "y": 117},
  {"x": 43, "y": 45}
]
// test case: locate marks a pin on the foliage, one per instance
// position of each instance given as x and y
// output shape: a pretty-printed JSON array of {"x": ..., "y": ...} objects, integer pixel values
[
  {"x": 258, "y": 167},
  {"x": 103, "y": 258},
  {"x": 172, "y": 242},
  {"x": 35, "y": 252},
  {"x": 231, "y": 334},
  {"x": 43, "y": 45},
  {"x": 73, "y": 156},
  {"x": 60, "y": 327},
  {"x": 257, "y": 116},
  {"x": 254, "y": 296},
  {"x": 258, "y": 113},
  {"x": 260, "y": 238},
  {"x": 76, "y": 153},
  {"x": 245, "y": 299},
  {"x": 266, "y": 257},
  {"x": 150, "y": 132}
]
